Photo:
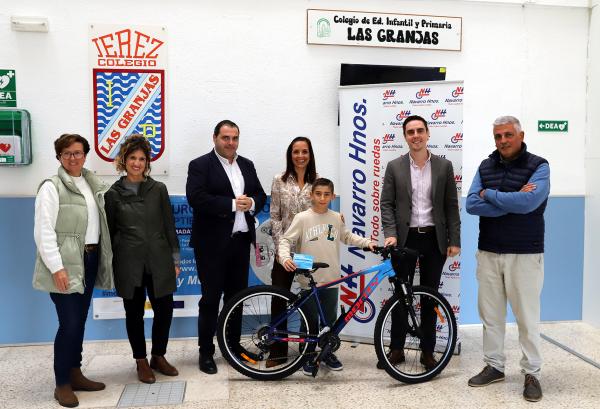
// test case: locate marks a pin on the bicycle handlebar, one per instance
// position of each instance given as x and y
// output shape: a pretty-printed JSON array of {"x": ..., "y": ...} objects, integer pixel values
[{"x": 401, "y": 252}]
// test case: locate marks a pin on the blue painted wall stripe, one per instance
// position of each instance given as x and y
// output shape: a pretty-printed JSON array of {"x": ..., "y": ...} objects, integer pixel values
[{"x": 28, "y": 316}]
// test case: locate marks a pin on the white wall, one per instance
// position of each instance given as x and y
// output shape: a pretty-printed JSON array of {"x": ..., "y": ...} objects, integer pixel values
[
  {"x": 249, "y": 61},
  {"x": 591, "y": 264}
]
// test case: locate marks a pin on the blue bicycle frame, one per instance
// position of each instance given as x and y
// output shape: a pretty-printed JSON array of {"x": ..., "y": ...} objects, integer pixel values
[{"x": 382, "y": 270}]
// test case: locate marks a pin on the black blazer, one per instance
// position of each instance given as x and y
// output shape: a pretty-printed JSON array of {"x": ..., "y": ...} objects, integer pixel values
[
  {"x": 396, "y": 201},
  {"x": 209, "y": 193}
]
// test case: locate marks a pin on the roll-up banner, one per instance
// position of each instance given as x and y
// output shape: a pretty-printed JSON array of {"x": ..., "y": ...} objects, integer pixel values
[
  {"x": 371, "y": 118},
  {"x": 108, "y": 305}
]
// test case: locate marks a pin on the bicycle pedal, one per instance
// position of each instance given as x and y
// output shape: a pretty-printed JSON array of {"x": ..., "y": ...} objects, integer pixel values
[
  {"x": 315, "y": 370},
  {"x": 247, "y": 358}
]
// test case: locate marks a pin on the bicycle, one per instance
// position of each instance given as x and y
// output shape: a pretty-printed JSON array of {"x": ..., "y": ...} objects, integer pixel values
[{"x": 251, "y": 308}]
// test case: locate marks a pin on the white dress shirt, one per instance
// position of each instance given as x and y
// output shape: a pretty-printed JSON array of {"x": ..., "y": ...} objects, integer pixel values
[
  {"x": 422, "y": 204},
  {"x": 234, "y": 174},
  {"x": 46, "y": 213}
]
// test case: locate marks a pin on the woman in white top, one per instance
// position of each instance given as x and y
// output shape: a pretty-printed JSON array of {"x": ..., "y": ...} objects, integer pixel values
[
  {"x": 74, "y": 256},
  {"x": 290, "y": 195}
]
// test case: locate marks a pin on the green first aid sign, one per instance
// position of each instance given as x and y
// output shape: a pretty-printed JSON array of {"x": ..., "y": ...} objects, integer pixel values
[
  {"x": 8, "y": 88},
  {"x": 553, "y": 126}
]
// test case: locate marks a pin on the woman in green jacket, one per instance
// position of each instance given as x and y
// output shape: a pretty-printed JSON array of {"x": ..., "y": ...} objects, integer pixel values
[
  {"x": 73, "y": 256},
  {"x": 146, "y": 253}
]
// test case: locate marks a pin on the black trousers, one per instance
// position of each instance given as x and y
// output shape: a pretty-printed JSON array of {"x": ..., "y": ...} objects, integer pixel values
[
  {"x": 134, "y": 319},
  {"x": 72, "y": 310},
  {"x": 430, "y": 270},
  {"x": 280, "y": 278},
  {"x": 221, "y": 273}
]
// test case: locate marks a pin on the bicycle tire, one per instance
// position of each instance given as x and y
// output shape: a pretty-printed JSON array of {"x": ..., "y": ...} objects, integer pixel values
[
  {"x": 254, "y": 303},
  {"x": 411, "y": 369}
]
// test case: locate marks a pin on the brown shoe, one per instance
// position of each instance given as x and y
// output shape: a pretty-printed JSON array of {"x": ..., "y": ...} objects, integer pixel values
[
  {"x": 277, "y": 355},
  {"x": 144, "y": 371},
  {"x": 80, "y": 383},
  {"x": 395, "y": 356},
  {"x": 160, "y": 364},
  {"x": 532, "y": 390},
  {"x": 272, "y": 362},
  {"x": 65, "y": 396},
  {"x": 427, "y": 360},
  {"x": 487, "y": 376}
]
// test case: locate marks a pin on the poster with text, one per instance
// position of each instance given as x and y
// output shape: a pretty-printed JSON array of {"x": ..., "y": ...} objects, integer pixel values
[
  {"x": 371, "y": 119},
  {"x": 128, "y": 91},
  {"x": 108, "y": 305}
]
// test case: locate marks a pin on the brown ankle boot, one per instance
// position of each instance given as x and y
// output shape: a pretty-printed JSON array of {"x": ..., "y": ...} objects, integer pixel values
[
  {"x": 277, "y": 354},
  {"x": 80, "y": 383},
  {"x": 160, "y": 364},
  {"x": 144, "y": 371},
  {"x": 65, "y": 396}
]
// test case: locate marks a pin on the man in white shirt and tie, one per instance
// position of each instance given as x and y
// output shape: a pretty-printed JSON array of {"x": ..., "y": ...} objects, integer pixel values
[{"x": 225, "y": 193}]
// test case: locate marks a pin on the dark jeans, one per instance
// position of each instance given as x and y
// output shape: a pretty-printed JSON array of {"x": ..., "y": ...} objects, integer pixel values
[
  {"x": 134, "y": 319},
  {"x": 223, "y": 273},
  {"x": 72, "y": 311},
  {"x": 430, "y": 270}
]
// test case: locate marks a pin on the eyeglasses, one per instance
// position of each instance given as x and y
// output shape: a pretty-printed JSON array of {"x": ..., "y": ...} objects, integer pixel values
[{"x": 68, "y": 155}]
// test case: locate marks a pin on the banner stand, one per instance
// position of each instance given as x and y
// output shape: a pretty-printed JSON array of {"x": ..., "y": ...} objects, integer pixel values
[{"x": 371, "y": 118}]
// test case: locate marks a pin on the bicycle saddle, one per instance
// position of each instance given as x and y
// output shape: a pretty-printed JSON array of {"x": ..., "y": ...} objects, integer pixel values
[{"x": 317, "y": 265}]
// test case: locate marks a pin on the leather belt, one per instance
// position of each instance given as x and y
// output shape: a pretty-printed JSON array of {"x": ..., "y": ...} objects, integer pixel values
[
  {"x": 89, "y": 248},
  {"x": 422, "y": 230}
]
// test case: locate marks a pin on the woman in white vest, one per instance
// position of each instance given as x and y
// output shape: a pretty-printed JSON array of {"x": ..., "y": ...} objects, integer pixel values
[{"x": 74, "y": 256}]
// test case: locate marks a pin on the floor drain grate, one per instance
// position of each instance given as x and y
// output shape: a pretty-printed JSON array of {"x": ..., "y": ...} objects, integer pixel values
[{"x": 159, "y": 393}]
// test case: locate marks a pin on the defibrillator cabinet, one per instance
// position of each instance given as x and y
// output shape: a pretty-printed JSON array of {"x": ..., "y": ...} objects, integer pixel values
[{"x": 15, "y": 137}]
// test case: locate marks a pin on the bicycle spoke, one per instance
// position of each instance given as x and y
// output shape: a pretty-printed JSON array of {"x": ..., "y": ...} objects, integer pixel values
[
  {"x": 253, "y": 314},
  {"x": 418, "y": 344}
]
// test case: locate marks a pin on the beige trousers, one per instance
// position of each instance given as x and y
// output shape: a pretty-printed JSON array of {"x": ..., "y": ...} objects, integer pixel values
[{"x": 518, "y": 278}]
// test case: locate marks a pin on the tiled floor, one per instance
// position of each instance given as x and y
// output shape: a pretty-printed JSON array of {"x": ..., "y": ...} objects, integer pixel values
[{"x": 26, "y": 379}]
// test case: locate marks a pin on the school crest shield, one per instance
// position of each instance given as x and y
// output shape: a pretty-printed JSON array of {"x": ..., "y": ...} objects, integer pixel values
[{"x": 128, "y": 102}]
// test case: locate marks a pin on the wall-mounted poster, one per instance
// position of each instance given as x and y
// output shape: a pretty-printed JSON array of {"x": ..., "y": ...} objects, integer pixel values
[
  {"x": 128, "y": 88},
  {"x": 367, "y": 29},
  {"x": 8, "y": 88}
]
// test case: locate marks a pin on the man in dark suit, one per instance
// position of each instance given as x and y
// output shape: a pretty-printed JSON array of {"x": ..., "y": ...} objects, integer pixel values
[
  {"x": 225, "y": 193},
  {"x": 419, "y": 210}
]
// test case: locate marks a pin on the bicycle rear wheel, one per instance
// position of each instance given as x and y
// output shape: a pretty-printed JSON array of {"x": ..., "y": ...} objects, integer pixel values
[
  {"x": 396, "y": 330},
  {"x": 250, "y": 310}
]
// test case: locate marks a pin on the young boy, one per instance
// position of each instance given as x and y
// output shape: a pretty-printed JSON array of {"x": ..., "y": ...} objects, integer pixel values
[{"x": 318, "y": 232}]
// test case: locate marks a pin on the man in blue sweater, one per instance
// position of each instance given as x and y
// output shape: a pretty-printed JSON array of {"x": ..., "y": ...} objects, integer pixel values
[{"x": 509, "y": 194}]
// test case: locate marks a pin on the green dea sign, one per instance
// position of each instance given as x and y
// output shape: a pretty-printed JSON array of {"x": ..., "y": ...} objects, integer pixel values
[
  {"x": 553, "y": 126},
  {"x": 8, "y": 88}
]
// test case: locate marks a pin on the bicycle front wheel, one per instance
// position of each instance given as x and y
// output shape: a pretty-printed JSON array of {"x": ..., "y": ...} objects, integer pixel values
[
  {"x": 248, "y": 340},
  {"x": 407, "y": 338}
]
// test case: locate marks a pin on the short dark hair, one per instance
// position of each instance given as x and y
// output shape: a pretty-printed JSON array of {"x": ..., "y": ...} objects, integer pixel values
[
  {"x": 225, "y": 122},
  {"x": 322, "y": 182},
  {"x": 68, "y": 139},
  {"x": 413, "y": 118},
  {"x": 133, "y": 143},
  {"x": 311, "y": 168}
]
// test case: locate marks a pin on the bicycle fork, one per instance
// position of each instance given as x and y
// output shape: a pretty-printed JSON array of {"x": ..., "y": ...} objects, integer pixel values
[{"x": 408, "y": 304}]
